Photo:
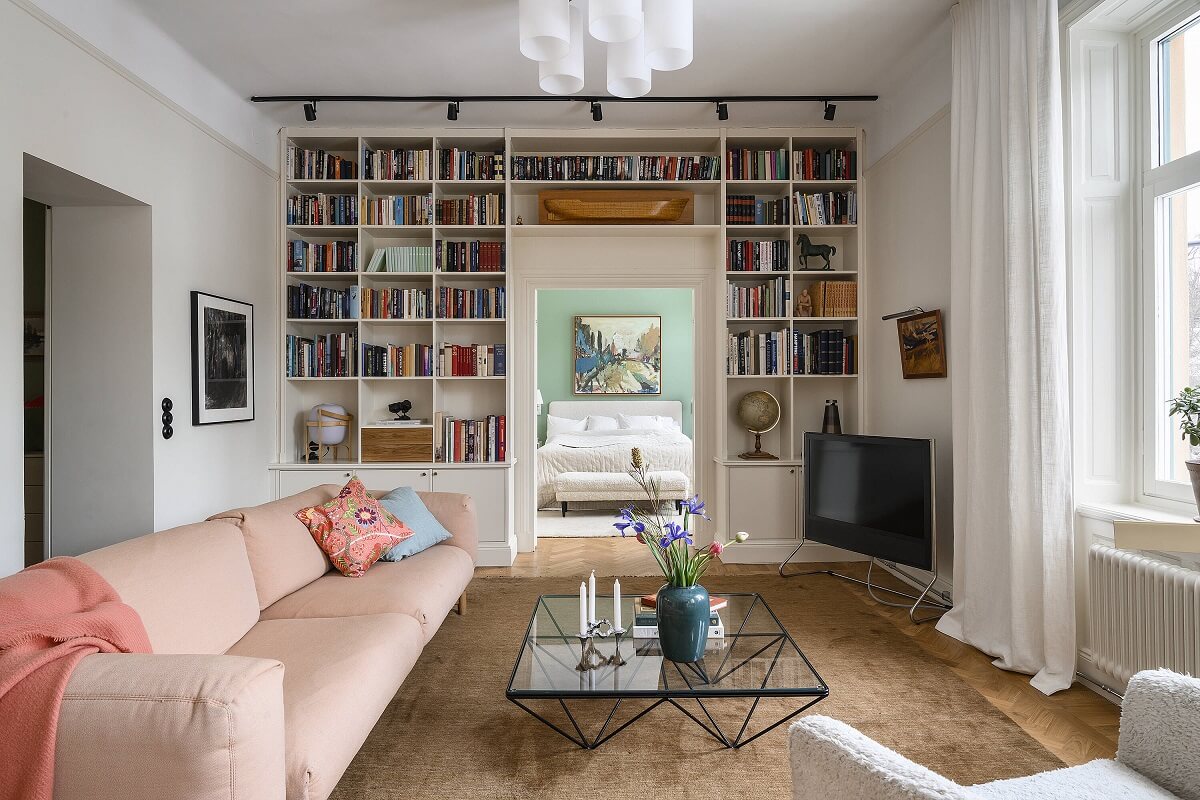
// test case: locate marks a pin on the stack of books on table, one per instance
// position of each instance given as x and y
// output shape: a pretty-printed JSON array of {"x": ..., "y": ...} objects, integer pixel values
[{"x": 645, "y": 619}]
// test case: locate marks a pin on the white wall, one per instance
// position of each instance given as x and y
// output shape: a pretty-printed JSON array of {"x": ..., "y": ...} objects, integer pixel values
[{"x": 213, "y": 228}]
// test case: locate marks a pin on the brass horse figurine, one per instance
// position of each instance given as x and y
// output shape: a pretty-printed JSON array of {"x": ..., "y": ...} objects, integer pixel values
[{"x": 807, "y": 248}]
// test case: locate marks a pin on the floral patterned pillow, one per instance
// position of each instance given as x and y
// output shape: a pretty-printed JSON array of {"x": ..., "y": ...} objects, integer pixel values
[{"x": 353, "y": 529}]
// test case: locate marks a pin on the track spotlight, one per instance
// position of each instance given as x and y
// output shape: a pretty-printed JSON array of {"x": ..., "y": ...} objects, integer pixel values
[
  {"x": 310, "y": 111},
  {"x": 830, "y": 110},
  {"x": 597, "y": 112},
  {"x": 452, "y": 110},
  {"x": 722, "y": 111}
]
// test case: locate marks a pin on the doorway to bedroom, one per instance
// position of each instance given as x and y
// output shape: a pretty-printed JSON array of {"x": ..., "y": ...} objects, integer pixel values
[{"x": 615, "y": 369}]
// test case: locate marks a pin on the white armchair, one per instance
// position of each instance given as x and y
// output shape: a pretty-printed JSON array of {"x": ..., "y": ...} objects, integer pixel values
[{"x": 1158, "y": 758}]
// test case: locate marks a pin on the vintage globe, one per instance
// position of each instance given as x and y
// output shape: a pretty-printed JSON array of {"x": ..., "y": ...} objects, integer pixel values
[{"x": 758, "y": 412}]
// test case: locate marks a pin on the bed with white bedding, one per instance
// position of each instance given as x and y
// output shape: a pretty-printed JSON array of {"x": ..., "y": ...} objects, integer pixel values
[{"x": 586, "y": 441}]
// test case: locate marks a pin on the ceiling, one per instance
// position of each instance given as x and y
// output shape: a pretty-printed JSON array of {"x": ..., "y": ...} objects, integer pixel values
[{"x": 470, "y": 47}]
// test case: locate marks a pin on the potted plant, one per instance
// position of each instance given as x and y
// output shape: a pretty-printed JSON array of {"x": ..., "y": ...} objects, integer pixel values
[
  {"x": 1186, "y": 405},
  {"x": 682, "y": 604}
]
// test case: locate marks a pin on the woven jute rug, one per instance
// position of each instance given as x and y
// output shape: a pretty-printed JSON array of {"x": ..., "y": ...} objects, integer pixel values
[{"x": 450, "y": 732}]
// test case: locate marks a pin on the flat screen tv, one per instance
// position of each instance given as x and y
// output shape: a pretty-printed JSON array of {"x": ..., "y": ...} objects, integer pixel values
[{"x": 871, "y": 495}]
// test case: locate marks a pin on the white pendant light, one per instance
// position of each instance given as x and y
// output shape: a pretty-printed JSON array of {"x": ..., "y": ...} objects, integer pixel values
[
  {"x": 668, "y": 34},
  {"x": 628, "y": 72},
  {"x": 614, "y": 20},
  {"x": 565, "y": 75},
  {"x": 545, "y": 28}
]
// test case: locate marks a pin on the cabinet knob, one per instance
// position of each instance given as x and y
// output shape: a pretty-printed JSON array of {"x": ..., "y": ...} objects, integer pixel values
[
  {"x": 424, "y": 474},
  {"x": 346, "y": 475},
  {"x": 435, "y": 473},
  {"x": 792, "y": 470}
]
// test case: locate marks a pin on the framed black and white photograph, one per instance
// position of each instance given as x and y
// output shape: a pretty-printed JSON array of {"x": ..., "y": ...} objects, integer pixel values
[{"x": 222, "y": 360}]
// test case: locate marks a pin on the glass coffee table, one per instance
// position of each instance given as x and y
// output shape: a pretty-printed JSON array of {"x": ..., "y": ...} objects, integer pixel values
[{"x": 755, "y": 660}]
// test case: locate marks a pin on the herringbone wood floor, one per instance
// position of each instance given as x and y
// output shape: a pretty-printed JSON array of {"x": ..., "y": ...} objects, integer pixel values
[{"x": 1077, "y": 725}]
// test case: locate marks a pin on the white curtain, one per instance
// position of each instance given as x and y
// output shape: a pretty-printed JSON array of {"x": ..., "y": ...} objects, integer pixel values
[{"x": 1013, "y": 541}]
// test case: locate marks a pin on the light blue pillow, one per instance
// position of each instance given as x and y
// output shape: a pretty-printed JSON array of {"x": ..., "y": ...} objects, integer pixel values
[{"x": 407, "y": 507}]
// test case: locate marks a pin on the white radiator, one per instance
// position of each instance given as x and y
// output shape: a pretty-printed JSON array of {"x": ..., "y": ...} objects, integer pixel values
[{"x": 1145, "y": 613}]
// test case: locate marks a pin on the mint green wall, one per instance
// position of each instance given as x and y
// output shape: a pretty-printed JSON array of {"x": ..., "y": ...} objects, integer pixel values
[{"x": 556, "y": 312}]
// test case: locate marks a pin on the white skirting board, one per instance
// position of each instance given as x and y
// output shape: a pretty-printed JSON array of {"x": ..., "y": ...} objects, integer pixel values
[{"x": 497, "y": 554}]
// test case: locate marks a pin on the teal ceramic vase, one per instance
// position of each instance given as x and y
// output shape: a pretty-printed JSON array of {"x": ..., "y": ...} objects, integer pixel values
[{"x": 683, "y": 613}]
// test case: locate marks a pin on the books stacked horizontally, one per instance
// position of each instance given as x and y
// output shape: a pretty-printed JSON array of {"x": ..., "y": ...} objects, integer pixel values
[
  {"x": 322, "y": 209},
  {"x": 474, "y": 209},
  {"x": 474, "y": 256},
  {"x": 330, "y": 355},
  {"x": 397, "y": 360},
  {"x": 322, "y": 256},
  {"x": 396, "y": 303},
  {"x": 645, "y": 619},
  {"x": 827, "y": 352},
  {"x": 825, "y": 208},
  {"x": 744, "y": 255},
  {"x": 750, "y": 353},
  {"x": 834, "y": 298},
  {"x": 395, "y": 165},
  {"x": 756, "y": 165},
  {"x": 322, "y": 302},
  {"x": 471, "y": 360},
  {"x": 811, "y": 164},
  {"x": 746, "y": 209},
  {"x": 470, "y": 441},
  {"x": 302, "y": 164},
  {"x": 487, "y": 303},
  {"x": 402, "y": 258},
  {"x": 769, "y": 299},
  {"x": 467, "y": 165},
  {"x": 411, "y": 209}
]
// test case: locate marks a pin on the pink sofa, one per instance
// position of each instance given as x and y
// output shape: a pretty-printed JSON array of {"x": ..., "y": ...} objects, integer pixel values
[{"x": 268, "y": 671}]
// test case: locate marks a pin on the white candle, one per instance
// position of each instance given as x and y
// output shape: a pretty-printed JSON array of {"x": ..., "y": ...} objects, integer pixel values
[
  {"x": 592, "y": 597},
  {"x": 582, "y": 609},
  {"x": 617, "y": 604}
]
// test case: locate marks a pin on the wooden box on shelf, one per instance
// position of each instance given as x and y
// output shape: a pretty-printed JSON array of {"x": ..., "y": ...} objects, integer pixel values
[
  {"x": 394, "y": 443},
  {"x": 616, "y": 207}
]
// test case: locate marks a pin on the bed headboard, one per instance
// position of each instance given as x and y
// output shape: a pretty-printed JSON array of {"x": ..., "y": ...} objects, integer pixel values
[{"x": 578, "y": 409}]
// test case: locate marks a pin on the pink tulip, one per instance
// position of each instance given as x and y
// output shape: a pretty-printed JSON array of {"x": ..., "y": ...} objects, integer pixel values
[{"x": 716, "y": 548}]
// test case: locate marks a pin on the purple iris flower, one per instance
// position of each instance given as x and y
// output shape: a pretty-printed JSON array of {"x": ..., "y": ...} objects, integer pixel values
[
  {"x": 674, "y": 532},
  {"x": 695, "y": 506}
]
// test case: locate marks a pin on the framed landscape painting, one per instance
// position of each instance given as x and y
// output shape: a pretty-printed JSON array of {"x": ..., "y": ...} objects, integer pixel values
[
  {"x": 222, "y": 360},
  {"x": 618, "y": 354},
  {"x": 922, "y": 345}
]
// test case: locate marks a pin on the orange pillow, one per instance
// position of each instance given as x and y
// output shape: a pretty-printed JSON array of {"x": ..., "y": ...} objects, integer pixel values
[{"x": 353, "y": 529}]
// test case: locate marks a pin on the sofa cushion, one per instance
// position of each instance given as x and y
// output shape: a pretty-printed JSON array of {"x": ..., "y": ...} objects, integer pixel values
[
  {"x": 283, "y": 556},
  {"x": 457, "y": 513},
  {"x": 407, "y": 507},
  {"x": 191, "y": 585},
  {"x": 1095, "y": 779},
  {"x": 339, "y": 676},
  {"x": 353, "y": 529},
  {"x": 425, "y": 587}
]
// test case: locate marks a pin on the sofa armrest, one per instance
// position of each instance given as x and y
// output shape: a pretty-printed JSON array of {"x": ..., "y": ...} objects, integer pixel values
[
  {"x": 1160, "y": 730},
  {"x": 200, "y": 727},
  {"x": 456, "y": 512},
  {"x": 831, "y": 759}
]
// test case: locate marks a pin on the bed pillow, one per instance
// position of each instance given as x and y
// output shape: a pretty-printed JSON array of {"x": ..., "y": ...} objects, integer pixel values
[
  {"x": 602, "y": 423},
  {"x": 407, "y": 506},
  {"x": 647, "y": 422},
  {"x": 557, "y": 425}
]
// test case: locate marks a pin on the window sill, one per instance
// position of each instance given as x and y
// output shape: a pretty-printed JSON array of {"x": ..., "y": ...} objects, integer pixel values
[{"x": 1131, "y": 512}]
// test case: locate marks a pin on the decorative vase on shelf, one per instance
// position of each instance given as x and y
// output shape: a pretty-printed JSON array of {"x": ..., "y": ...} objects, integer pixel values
[{"x": 683, "y": 613}]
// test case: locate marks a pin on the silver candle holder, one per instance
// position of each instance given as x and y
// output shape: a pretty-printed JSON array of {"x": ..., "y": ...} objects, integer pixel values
[{"x": 590, "y": 656}]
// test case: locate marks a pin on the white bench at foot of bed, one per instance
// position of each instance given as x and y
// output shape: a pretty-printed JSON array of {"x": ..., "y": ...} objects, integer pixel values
[{"x": 616, "y": 487}]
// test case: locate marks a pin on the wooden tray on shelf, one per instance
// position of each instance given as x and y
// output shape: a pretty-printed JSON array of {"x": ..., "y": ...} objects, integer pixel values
[{"x": 616, "y": 207}]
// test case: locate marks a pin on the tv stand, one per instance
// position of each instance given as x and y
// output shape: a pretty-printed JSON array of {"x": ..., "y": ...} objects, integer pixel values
[{"x": 920, "y": 601}]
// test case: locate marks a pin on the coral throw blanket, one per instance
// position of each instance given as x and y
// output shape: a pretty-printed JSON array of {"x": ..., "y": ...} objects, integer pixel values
[{"x": 51, "y": 615}]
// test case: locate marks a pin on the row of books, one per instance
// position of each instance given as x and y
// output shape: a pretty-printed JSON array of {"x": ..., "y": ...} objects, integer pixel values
[
  {"x": 322, "y": 209},
  {"x": 409, "y": 209},
  {"x": 811, "y": 164},
  {"x": 396, "y": 164},
  {"x": 678, "y": 168},
  {"x": 745, "y": 255},
  {"x": 329, "y": 355},
  {"x": 402, "y": 258},
  {"x": 397, "y": 361},
  {"x": 825, "y": 208},
  {"x": 485, "y": 303},
  {"x": 455, "y": 164},
  {"x": 757, "y": 353},
  {"x": 825, "y": 352},
  {"x": 303, "y": 164},
  {"x": 470, "y": 441},
  {"x": 321, "y": 302},
  {"x": 305, "y": 256},
  {"x": 756, "y": 165},
  {"x": 481, "y": 209},
  {"x": 746, "y": 209},
  {"x": 834, "y": 298},
  {"x": 397, "y": 303},
  {"x": 770, "y": 299},
  {"x": 473, "y": 256},
  {"x": 791, "y": 352},
  {"x": 614, "y": 168},
  {"x": 471, "y": 360}
]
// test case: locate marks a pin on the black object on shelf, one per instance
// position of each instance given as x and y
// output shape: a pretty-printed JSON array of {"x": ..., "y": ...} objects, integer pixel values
[{"x": 833, "y": 418}]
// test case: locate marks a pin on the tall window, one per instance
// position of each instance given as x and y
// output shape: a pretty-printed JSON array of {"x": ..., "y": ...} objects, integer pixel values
[{"x": 1171, "y": 247}]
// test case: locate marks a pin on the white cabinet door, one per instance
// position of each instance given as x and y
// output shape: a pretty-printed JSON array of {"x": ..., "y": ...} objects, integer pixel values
[
  {"x": 765, "y": 501},
  {"x": 291, "y": 481},
  {"x": 294, "y": 481},
  {"x": 382, "y": 481},
  {"x": 490, "y": 490}
]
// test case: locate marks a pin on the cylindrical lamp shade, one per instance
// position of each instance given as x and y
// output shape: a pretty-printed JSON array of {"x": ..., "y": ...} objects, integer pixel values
[
  {"x": 545, "y": 28},
  {"x": 565, "y": 75},
  {"x": 614, "y": 20},
  {"x": 668, "y": 34},
  {"x": 628, "y": 72}
]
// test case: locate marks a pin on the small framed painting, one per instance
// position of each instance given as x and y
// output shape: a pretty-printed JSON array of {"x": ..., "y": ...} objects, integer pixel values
[
  {"x": 222, "y": 360},
  {"x": 617, "y": 354},
  {"x": 922, "y": 345}
]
